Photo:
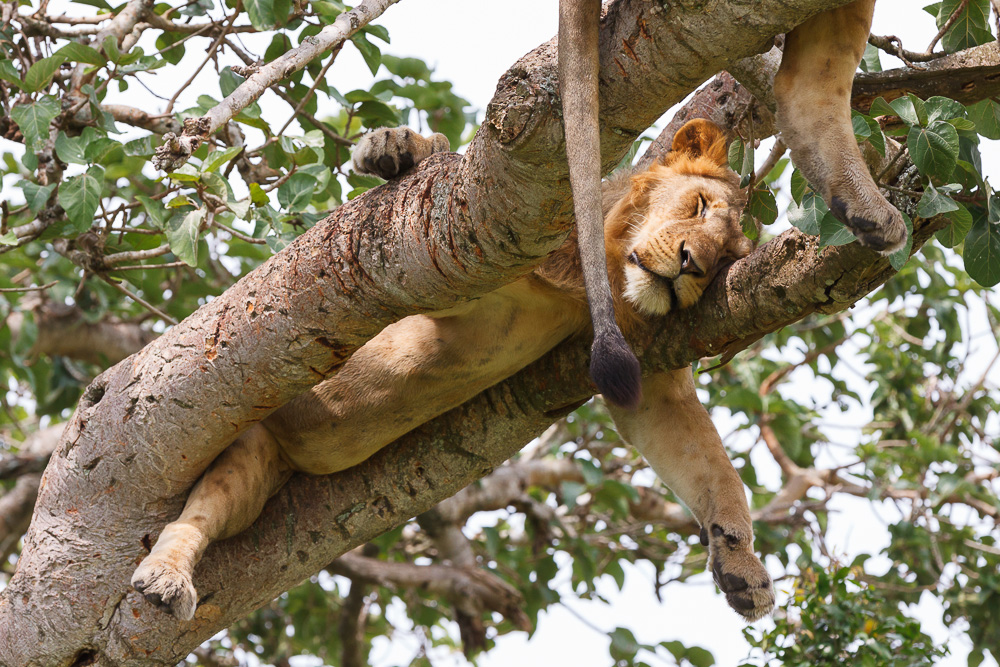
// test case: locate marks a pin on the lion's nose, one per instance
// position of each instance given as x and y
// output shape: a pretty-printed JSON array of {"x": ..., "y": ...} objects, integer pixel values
[{"x": 688, "y": 263}]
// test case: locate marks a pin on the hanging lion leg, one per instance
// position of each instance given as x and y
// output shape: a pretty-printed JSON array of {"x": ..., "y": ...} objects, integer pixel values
[
  {"x": 813, "y": 91},
  {"x": 225, "y": 501},
  {"x": 676, "y": 436}
]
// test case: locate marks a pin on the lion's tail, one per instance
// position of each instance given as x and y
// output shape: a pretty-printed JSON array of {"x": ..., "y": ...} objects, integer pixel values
[{"x": 613, "y": 366}]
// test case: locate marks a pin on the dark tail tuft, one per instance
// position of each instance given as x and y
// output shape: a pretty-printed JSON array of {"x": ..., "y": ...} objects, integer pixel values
[{"x": 615, "y": 370}]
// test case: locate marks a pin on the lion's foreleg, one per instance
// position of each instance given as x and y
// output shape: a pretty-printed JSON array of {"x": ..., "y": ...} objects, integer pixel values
[
  {"x": 675, "y": 434},
  {"x": 226, "y": 500},
  {"x": 813, "y": 92}
]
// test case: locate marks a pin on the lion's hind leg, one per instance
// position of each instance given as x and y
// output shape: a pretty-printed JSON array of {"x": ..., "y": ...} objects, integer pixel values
[
  {"x": 813, "y": 92},
  {"x": 390, "y": 151},
  {"x": 226, "y": 500},
  {"x": 676, "y": 436}
]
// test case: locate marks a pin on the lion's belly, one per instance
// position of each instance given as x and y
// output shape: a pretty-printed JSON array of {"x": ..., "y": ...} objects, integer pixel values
[{"x": 417, "y": 369}]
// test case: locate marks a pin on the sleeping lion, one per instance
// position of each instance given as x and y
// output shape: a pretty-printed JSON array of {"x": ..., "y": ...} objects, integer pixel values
[{"x": 668, "y": 232}]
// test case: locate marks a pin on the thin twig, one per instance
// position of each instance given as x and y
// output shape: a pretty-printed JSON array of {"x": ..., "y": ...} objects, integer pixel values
[
  {"x": 209, "y": 54},
  {"x": 148, "y": 267},
  {"x": 947, "y": 25},
  {"x": 316, "y": 81},
  {"x": 38, "y": 288},
  {"x": 138, "y": 299}
]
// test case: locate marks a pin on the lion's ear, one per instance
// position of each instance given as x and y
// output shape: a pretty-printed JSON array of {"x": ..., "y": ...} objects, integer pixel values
[{"x": 700, "y": 137}]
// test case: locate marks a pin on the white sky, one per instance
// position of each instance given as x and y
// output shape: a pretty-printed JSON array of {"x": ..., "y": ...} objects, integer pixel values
[{"x": 471, "y": 44}]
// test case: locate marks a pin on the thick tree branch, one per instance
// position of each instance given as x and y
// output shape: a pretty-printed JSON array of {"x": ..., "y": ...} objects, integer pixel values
[{"x": 63, "y": 331}]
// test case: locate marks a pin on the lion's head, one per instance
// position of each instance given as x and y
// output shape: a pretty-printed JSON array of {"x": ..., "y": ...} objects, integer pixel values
[{"x": 677, "y": 224}]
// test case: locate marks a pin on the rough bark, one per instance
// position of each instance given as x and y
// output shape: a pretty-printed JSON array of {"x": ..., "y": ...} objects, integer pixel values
[{"x": 455, "y": 229}]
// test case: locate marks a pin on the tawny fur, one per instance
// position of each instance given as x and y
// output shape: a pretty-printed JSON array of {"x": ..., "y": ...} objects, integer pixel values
[{"x": 424, "y": 365}]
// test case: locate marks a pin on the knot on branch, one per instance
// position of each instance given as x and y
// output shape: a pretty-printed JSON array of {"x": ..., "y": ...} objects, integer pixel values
[
  {"x": 246, "y": 72},
  {"x": 176, "y": 150}
]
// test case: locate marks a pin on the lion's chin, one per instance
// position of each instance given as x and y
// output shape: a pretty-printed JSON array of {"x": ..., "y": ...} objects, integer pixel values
[
  {"x": 653, "y": 295},
  {"x": 648, "y": 294}
]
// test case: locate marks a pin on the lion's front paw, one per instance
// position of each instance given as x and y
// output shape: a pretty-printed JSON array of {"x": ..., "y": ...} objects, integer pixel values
[
  {"x": 167, "y": 588},
  {"x": 739, "y": 574},
  {"x": 871, "y": 218}
]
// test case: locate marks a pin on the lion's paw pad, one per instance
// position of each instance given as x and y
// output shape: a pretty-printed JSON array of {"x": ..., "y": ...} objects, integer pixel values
[
  {"x": 166, "y": 588},
  {"x": 875, "y": 222},
  {"x": 740, "y": 575}
]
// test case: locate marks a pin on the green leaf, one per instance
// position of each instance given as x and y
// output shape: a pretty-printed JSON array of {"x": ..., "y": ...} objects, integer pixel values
[
  {"x": 10, "y": 238},
  {"x": 182, "y": 235},
  {"x": 833, "y": 232},
  {"x": 80, "y": 197},
  {"x": 898, "y": 259},
  {"x": 798, "y": 186},
  {"x": 156, "y": 212},
  {"x": 40, "y": 74},
  {"x": 377, "y": 113},
  {"x": 70, "y": 150},
  {"x": 903, "y": 107},
  {"x": 216, "y": 159},
  {"x": 862, "y": 130},
  {"x": 624, "y": 645},
  {"x": 261, "y": 13},
  {"x": 807, "y": 216},
  {"x": 741, "y": 161},
  {"x": 699, "y": 657},
  {"x": 36, "y": 195},
  {"x": 763, "y": 206},
  {"x": 172, "y": 54},
  {"x": 371, "y": 53},
  {"x": 240, "y": 208},
  {"x": 934, "y": 203},
  {"x": 881, "y": 108},
  {"x": 9, "y": 73},
  {"x": 877, "y": 138},
  {"x": 141, "y": 147},
  {"x": 258, "y": 196},
  {"x": 986, "y": 116},
  {"x": 934, "y": 149},
  {"x": 295, "y": 193},
  {"x": 982, "y": 252},
  {"x": 870, "y": 60},
  {"x": 100, "y": 148},
  {"x": 592, "y": 475},
  {"x": 955, "y": 233},
  {"x": 110, "y": 46},
  {"x": 943, "y": 108},
  {"x": 81, "y": 53},
  {"x": 971, "y": 28},
  {"x": 34, "y": 119}
]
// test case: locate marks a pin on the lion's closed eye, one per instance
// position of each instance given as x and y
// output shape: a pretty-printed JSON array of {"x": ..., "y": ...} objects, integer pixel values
[{"x": 701, "y": 206}]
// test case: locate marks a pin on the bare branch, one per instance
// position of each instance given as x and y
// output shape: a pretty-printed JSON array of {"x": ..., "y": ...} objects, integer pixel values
[{"x": 472, "y": 590}]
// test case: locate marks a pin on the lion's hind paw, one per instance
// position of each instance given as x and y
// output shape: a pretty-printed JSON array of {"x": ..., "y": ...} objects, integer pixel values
[
  {"x": 390, "y": 151},
  {"x": 166, "y": 588},
  {"x": 739, "y": 574}
]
